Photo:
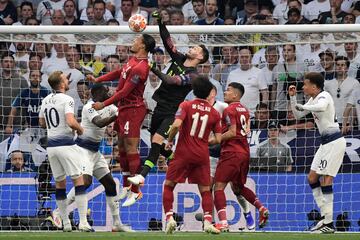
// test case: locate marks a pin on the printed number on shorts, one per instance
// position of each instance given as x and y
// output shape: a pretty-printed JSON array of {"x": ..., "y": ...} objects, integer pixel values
[
  {"x": 52, "y": 117},
  {"x": 323, "y": 164},
  {"x": 203, "y": 120},
  {"x": 126, "y": 127},
  {"x": 244, "y": 125}
]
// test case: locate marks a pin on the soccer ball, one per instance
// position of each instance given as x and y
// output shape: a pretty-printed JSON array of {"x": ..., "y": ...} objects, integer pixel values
[{"x": 137, "y": 23}]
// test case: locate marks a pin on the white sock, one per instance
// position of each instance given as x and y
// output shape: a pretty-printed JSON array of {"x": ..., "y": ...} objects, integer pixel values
[
  {"x": 82, "y": 205},
  {"x": 114, "y": 208},
  {"x": 328, "y": 204},
  {"x": 319, "y": 199},
  {"x": 71, "y": 196},
  {"x": 243, "y": 203},
  {"x": 62, "y": 206}
]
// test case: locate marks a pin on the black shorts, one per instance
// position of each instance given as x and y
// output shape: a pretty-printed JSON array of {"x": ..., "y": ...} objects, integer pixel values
[{"x": 161, "y": 123}]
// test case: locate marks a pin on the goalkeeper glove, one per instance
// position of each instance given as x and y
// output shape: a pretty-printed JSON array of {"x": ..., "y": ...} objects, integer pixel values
[
  {"x": 153, "y": 66},
  {"x": 157, "y": 16}
]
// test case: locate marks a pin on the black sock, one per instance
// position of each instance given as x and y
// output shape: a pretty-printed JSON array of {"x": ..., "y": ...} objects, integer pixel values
[
  {"x": 164, "y": 152},
  {"x": 152, "y": 158}
]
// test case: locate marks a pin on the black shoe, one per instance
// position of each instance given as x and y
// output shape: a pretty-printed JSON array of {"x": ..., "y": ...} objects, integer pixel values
[{"x": 325, "y": 228}]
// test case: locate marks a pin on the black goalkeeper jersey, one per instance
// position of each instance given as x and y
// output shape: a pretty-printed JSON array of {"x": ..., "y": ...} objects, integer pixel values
[{"x": 169, "y": 96}]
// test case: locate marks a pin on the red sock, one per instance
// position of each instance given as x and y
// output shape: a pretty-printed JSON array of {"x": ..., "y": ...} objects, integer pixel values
[
  {"x": 168, "y": 199},
  {"x": 251, "y": 197},
  {"x": 220, "y": 204},
  {"x": 125, "y": 181},
  {"x": 135, "y": 188},
  {"x": 207, "y": 205},
  {"x": 133, "y": 161},
  {"x": 123, "y": 163}
]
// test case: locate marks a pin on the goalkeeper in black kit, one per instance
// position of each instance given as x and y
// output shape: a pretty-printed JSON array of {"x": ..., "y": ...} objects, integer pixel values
[{"x": 176, "y": 84}]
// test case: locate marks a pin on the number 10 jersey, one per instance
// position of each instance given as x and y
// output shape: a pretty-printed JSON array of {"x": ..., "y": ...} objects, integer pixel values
[{"x": 54, "y": 108}]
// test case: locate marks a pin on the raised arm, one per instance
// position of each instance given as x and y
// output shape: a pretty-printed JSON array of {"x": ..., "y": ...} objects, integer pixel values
[
  {"x": 296, "y": 111},
  {"x": 105, "y": 78},
  {"x": 166, "y": 39},
  {"x": 181, "y": 80}
]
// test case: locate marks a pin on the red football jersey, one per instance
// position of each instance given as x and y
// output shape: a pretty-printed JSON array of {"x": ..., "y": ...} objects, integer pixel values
[
  {"x": 199, "y": 119},
  {"x": 237, "y": 114},
  {"x": 132, "y": 78}
]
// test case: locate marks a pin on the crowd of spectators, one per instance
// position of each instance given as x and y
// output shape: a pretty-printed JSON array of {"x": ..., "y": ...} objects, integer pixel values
[{"x": 264, "y": 71}]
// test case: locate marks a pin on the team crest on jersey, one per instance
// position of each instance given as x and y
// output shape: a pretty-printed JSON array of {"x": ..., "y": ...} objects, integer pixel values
[
  {"x": 227, "y": 120},
  {"x": 71, "y": 104},
  {"x": 135, "y": 79},
  {"x": 91, "y": 110}
]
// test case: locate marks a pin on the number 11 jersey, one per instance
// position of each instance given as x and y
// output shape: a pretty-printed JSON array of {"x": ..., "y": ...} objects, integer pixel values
[
  {"x": 236, "y": 114},
  {"x": 54, "y": 108},
  {"x": 199, "y": 119}
]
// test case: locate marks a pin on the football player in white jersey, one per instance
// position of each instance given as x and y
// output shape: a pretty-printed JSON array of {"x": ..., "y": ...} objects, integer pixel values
[
  {"x": 94, "y": 163},
  {"x": 57, "y": 116},
  {"x": 329, "y": 156}
]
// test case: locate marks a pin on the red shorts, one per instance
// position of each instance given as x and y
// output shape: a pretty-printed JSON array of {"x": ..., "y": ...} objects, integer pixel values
[
  {"x": 129, "y": 121},
  {"x": 196, "y": 172},
  {"x": 232, "y": 167}
]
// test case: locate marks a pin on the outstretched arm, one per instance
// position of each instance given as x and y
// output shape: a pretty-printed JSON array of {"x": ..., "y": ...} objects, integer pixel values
[
  {"x": 182, "y": 79},
  {"x": 166, "y": 39}
]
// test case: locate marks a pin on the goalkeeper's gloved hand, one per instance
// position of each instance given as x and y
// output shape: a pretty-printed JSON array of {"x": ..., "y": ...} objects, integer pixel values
[
  {"x": 152, "y": 66},
  {"x": 157, "y": 16}
]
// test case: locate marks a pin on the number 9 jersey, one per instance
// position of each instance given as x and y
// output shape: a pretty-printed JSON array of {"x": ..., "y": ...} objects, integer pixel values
[
  {"x": 54, "y": 108},
  {"x": 236, "y": 114}
]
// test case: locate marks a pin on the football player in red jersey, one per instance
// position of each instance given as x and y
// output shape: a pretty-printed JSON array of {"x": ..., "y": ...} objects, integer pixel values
[
  {"x": 233, "y": 165},
  {"x": 195, "y": 119},
  {"x": 132, "y": 110}
]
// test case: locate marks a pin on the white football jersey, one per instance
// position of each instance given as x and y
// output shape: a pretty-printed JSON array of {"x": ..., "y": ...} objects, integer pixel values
[
  {"x": 323, "y": 110},
  {"x": 54, "y": 107},
  {"x": 220, "y": 107},
  {"x": 93, "y": 132}
]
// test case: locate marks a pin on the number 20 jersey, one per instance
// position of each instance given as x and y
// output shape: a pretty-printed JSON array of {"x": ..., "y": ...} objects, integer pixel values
[
  {"x": 54, "y": 107},
  {"x": 236, "y": 114}
]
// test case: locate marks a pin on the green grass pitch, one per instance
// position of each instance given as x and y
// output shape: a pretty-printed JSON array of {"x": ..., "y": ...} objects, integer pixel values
[{"x": 177, "y": 236}]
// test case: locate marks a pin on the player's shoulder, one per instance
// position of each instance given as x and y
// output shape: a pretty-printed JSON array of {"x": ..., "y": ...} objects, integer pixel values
[
  {"x": 88, "y": 104},
  {"x": 324, "y": 94}
]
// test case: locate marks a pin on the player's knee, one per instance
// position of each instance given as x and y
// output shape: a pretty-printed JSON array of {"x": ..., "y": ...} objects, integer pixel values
[
  {"x": 157, "y": 138},
  {"x": 109, "y": 184},
  {"x": 312, "y": 178}
]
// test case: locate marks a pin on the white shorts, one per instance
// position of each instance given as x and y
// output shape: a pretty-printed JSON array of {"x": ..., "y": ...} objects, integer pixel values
[
  {"x": 65, "y": 161},
  {"x": 94, "y": 163},
  {"x": 213, "y": 164},
  {"x": 329, "y": 157}
]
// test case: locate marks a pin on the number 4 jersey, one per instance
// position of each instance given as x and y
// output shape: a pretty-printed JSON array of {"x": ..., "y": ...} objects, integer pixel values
[
  {"x": 199, "y": 119},
  {"x": 236, "y": 114},
  {"x": 54, "y": 108}
]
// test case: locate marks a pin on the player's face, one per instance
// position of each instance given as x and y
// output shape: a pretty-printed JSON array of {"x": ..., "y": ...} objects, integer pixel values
[
  {"x": 65, "y": 81},
  {"x": 309, "y": 88},
  {"x": 195, "y": 53},
  {"x": 211, "y": 97},
  {"x": 137, "y": 44},
  {"x": 230, "y": 95}
]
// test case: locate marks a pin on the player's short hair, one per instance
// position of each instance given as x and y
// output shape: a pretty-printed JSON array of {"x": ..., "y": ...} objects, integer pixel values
[
  {"x": 238, "y": 86},
  {"x": 315, "y": 78},
  {"x": 55, "y": 79},
  {"x": 97, "y": 89},
  {"x": 149, "y": 42},
  {"x": 201, "y": 86},
  {"x": 205, "y": 54}
]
